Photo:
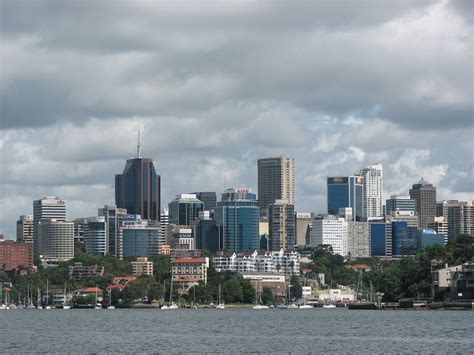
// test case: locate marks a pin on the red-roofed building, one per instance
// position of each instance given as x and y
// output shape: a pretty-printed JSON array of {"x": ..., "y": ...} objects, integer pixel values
[
  {"x": 358, "y": 267},
  {"x": 120, "y": 282},
  {"x": 125, "y": 279},
  {"x": 187, "y": 272}
]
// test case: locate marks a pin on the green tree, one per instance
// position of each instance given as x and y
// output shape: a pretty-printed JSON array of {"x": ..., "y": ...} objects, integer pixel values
[
  {"x": 267, "y": 295},
  {"x": 232, "y": 291},
  {"x": 248, "y": 291},
  {"x": 461, "y": 249}
]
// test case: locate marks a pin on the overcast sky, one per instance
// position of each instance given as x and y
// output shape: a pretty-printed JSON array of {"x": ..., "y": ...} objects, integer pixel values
[{"x": 215, "y": 85}]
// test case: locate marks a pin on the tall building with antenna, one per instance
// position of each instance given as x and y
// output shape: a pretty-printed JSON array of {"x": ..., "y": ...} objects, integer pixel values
[{"x": 138, "y": 189}]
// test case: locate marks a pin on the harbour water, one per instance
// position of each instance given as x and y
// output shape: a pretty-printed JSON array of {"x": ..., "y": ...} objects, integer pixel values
[{"x": 236, "y": 330}]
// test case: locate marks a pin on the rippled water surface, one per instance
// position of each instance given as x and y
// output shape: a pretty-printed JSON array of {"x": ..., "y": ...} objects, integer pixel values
[{"x": 236, "y": 330}]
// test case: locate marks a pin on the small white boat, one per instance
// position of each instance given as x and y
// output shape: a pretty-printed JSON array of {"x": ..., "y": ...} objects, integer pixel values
[
  {"x": 220, "y": 306},
  {"x": 66, "y": 306},
  {"x": 329, "y": 306},
  {"x": 170, "y": 306},
  {"x": 292, "y": 306},
  {"x": 260, "y": 306},
  {"x": 305, "y": 306},
  {"x": 47, "y": 307},
  {"x": 110, "y": 307},
  {"x": 98, "y": 306},
  {"x": 39, "y": 307}
]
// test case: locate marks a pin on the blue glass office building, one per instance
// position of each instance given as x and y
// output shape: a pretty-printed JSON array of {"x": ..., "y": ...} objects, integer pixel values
[
  {"x": 345, "y": 192},
  {"x": 404, "y": 239},
  {"x": 429, "y": 237},
  {"x": 140, "y": 241},
  {"x": 377, "y": 239},
  {"x": 239, "y": 216}
]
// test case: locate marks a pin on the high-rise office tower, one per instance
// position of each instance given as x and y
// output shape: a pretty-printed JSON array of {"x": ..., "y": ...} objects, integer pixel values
[
  {"x": 140, "y": 238},
  {"x": 276, "y": 181},
  {"x": 358, "y": 239},
  {"x": 209, "y": 199},
  {"x": 207, "y": 233},
  {"x": 404, "y": 238},
  {"x": 80, "y": 225},
  {"x": 239, "y": 216},
  {"x": 184, "y": 209},
  {"x": 113, "y": 218},
  {"x": 345, "y": 192},
  {"x": 282, "y": 225},
  {"x": 373, "y": 191},
  {"x": 400, "y": 203},
  {"x": 424, "y": 194},
  {"x": 56, "y": 240},
  {"x": 96, "y": 237},
  {"x": 459, "y": 216},
  {"x": 164, "y": 223},
  {"x": 48, "y": 207},
  {"x": 330, "y": 231},
  {"x": 24, "y": 229},
  {"x": 303, "y": 224},
  {"x": 440, "y": 226},
  {"x": 137, "y": 189}
]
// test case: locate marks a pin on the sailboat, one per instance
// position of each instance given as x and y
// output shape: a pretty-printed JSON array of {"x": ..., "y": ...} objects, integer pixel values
[
  {"x": 258, "y": 300},
  {"x": 30, "y": 302},
  {"x": 171, "y": 304},
  {"x": 362, "y": 304},
  {"x": 38, "y": 300},
  {"x": 220, "y": 304},
  {"x": 97, "y": 304},
  {"x": 47, "y": 296},
  {"x": 194, "y": 306},
  {"x": 305, "y": 305},
  {"x": 110, "y": 300},
  {"x": 287, "y": 298},
  {"x": 65, "y": 306}
]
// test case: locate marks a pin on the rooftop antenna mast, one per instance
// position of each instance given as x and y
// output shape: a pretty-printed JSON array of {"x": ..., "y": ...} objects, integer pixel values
[{"x": 138, "y": 145}]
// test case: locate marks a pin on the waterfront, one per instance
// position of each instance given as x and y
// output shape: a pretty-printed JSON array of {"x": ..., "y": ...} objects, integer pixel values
[{"x": 236, "y": 330}]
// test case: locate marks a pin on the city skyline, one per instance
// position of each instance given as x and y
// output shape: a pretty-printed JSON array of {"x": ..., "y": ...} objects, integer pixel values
[{"x": 217, "y": 88}]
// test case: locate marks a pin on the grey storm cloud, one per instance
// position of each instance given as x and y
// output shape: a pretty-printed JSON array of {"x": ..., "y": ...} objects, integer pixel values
[{"x": 215, "y": 85}]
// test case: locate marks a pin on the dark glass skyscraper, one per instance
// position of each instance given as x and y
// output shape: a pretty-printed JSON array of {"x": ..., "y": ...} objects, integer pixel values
[
  {"x": 184, "y": 209},
  {"x": 208, "y": 198},
  {"x": 239, "y": 216},
  {"x": 138, "y": 188},
  {"x": 345, "y": 192}
]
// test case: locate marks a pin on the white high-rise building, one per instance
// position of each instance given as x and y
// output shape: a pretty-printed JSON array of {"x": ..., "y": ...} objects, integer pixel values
[
  {"x": 164, "y": 222},
  {"x": 46, "y": 209},
  {"x": 330, "y": 231},
  {"x": 372, "y": 205},
  {"x": 56, "y": 240},
  {"x": 96, "y": 236}
]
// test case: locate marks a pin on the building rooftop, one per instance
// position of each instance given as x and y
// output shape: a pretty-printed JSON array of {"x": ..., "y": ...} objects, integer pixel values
[{"x": 189, "y": 260}]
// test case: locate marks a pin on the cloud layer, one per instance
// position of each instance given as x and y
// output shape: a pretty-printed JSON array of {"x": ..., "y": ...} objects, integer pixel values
[{"x": 337, "y": 85}]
